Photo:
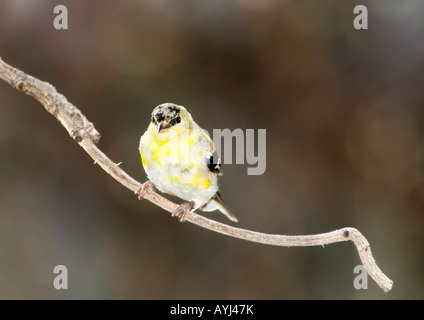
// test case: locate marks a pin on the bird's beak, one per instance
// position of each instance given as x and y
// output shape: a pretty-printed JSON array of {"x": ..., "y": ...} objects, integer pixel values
[{"x": 160, "y": 126}]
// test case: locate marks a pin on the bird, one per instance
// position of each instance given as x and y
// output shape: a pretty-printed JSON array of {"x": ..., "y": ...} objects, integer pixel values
[{"x": 180, "y": 159}]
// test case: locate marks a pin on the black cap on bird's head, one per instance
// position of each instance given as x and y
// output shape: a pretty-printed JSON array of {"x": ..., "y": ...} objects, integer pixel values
[{"x": 167, "y": 115}]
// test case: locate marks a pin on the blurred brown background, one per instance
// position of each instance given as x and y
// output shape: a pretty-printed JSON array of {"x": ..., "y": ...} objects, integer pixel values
[{"x": 343, "y": 111}]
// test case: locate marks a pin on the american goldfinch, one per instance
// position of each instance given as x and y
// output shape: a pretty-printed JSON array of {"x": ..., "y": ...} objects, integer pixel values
[{"x": 180, "y": 159}]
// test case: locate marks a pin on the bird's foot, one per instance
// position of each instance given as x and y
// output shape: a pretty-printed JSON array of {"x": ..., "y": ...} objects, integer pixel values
[
  {"x": 144, "y": 189},
  {"x": 181, "y": 211}
]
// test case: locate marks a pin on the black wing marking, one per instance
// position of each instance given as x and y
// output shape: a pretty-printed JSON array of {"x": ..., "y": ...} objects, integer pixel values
[{"x": 214, "y": 163}]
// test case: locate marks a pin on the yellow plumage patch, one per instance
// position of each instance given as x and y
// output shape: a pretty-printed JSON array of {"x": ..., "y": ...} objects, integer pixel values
[
  {"x": 144, "y": 160},
  {"x": 199, "y": 181},
  {"x": 174, "y": 178}
]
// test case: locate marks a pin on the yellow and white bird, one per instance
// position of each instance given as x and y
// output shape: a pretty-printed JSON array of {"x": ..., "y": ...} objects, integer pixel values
[{"x": 180, "y": 159}]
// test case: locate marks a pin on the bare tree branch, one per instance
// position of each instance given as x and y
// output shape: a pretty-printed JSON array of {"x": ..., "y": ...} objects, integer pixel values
[{"x": 84, "y": 133}]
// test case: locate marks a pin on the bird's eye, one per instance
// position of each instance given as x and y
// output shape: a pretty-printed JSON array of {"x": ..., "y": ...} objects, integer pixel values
[{"x": 174, "y": 121}]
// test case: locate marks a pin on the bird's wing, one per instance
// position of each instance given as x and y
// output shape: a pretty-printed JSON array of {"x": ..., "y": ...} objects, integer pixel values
[{"x": 212, "y": 160}]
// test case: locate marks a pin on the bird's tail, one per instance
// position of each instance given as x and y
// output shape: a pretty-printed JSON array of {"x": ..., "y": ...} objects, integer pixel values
[{"x": 216, "y": 203}]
